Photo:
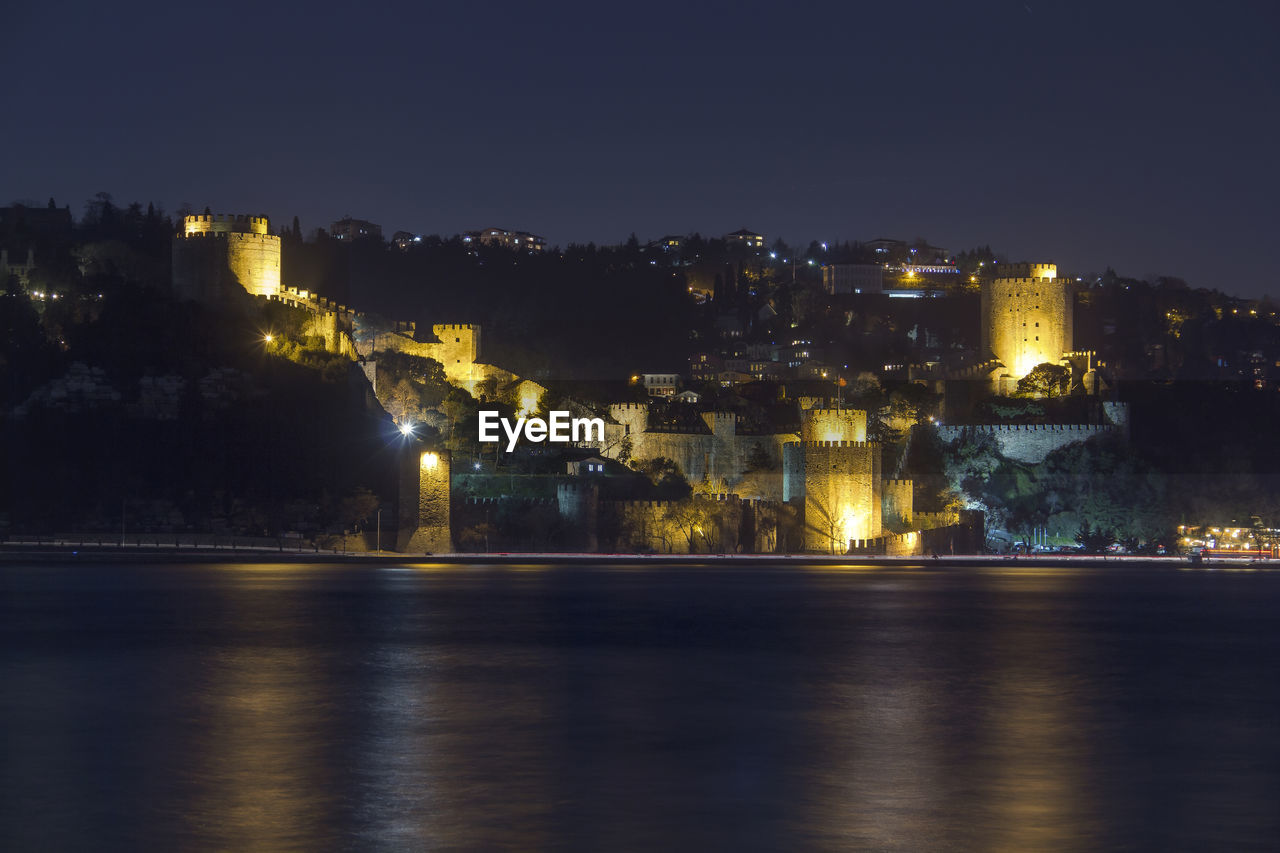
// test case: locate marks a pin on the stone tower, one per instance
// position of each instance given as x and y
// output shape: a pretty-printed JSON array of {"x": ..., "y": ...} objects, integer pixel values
[
  {"x": 823, "y": 424},
  {"x": 215, "y": 253},
  {"x": 1026, "y": 318},
  {"x": 837, "y": 484},
  {"x": 424, "y": 502}
]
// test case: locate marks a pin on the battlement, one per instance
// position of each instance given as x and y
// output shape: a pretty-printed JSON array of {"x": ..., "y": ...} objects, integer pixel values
[
  {"x": 224, "y": 223},
  {"x": 629, "y": 407},
  {"x": 230, "y": 235},
  {"x": 454, "y": 327},
  {"x": 1028, "y": 272},
  {"x": 1026, "y": 280},
  {"x": 640, "y": 504},
  {"x": 524, "y": 502},
  {"x": 901, "y": 484},
  {"x": 815, "y": 444},
  {"x": 1029, "y": 442},
  {"x": 718, "y": 498},
  {"x": 819, "y": 410},
  {"x": 1082, "y": 429}
]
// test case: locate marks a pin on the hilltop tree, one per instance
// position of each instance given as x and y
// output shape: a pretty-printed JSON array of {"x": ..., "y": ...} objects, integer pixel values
[{"x": 1044, "y": 380}]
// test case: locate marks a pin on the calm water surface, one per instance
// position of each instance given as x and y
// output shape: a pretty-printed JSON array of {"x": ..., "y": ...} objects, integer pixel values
[{"x": 354, "y": 707}]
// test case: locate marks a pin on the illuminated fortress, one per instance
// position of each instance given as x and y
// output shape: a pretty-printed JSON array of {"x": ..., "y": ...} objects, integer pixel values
[
  {"x": 215, "y": 251},
  {"x": 833, "y": 473},
  {"x": 1026, "y": 318}
]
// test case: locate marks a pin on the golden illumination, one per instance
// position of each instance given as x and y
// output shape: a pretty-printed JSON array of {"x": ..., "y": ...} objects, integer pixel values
[
  {"x": 530, "y": 396},
  {"x": 852, "y": 525},
  {"x": 430, "y": 460}
]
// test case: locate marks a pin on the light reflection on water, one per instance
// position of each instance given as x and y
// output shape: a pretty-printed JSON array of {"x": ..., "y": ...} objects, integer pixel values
[{"x": 274, "y": 707}]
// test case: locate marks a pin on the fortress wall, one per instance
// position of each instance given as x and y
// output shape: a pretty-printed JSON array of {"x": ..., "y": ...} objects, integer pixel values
[
  {"x": 456, "y": 351},
  {"x": 897, "y": 501},
  {"x": 821, "y": 424},
  {"x": 224, "y": 223},
  {"x": 1029, "y": 443},
  {"x": 930, "y": 520}
]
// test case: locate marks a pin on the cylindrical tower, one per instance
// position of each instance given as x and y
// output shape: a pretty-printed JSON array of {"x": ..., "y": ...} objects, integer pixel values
[
  {"x": 214, "y": 252},
  {"x": 1026, "y": 317}
]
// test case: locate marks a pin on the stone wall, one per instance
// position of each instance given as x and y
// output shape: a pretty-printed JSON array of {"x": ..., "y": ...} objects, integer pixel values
[
  {"x": 897, "y": 500},
  {"x": 824, "y": 424},
  {"x": 1029, "y": 443},
  {"x": 457, "y": 348}
]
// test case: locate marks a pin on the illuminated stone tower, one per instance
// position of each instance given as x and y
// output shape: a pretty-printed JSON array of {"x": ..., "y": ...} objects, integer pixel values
[
  {"x": 424, "y": 502},
  {"x": 1026, "y": 317},
  {"x": 822, "y": 424},
  {"x": 834, "y": 475},
  {"x": 214, "y": 253}
]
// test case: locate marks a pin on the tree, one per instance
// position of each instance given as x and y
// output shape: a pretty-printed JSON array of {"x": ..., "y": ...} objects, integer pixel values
[
  {"x": 758, "y": 459},
  {"x": 356, "y": 508},
  {"x": 1044, "y": 380},
  {"x": 1094, "y": 540},
  {"x": 669, "y": 483},
  {"x": 695, "y": 519}
]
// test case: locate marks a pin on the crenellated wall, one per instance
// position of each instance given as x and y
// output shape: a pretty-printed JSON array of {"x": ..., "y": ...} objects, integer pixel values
[
  {"x": 457, "y": 348},
  {"x": 827, "y": 424},
  {"x": 224, "y": 223},
  {"x": 897, "y": 499},
  {"x": 1029, "y": 443}
]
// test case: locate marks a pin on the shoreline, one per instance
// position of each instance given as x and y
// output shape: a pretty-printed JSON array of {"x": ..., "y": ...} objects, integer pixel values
[{"x": 23, "y": 552}]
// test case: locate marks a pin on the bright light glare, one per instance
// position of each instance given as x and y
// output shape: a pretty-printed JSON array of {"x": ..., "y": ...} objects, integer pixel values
[
  {"x": 406, "y": 428},
  {"x": 266, "y": 339}
]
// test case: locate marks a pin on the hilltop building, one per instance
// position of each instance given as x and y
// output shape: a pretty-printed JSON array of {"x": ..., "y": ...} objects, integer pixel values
[
  {"x": 348, "y": 229},
  {"x": 852, "y": 278},
  {"x": 743, "y": 237},
  {"x": 504, "y": 237}
]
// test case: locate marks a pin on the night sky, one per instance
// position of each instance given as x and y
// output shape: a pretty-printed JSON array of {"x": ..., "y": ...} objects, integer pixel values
[{"x": 1137, "y": 135}]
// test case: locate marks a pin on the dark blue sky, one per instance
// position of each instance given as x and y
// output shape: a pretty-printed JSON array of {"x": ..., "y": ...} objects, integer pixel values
[{"x": 1137, "y": 135}]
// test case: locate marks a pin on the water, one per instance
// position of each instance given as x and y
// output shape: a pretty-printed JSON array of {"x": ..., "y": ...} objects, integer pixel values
[{"x": 354, "y": 707}]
